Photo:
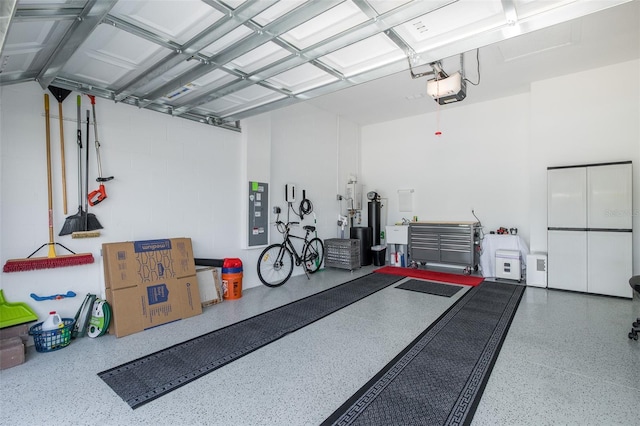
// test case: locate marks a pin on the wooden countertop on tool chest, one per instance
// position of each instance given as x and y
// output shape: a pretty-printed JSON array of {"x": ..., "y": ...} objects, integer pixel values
[{"x": 444, "y": 222}]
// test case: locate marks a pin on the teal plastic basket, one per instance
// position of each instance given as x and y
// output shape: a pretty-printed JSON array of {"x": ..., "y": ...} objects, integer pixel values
[{"x": 52, "y": 340}]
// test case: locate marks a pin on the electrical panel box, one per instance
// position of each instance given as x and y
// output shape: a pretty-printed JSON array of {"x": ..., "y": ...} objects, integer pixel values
[
  {"x": 258, "y": 225},
  {"x": 354, "y": 196},
  {"x": 290, "y": 193}
]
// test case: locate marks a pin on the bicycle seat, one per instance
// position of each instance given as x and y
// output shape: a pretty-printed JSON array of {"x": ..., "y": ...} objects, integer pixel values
[{"x": 309, "y": 228}]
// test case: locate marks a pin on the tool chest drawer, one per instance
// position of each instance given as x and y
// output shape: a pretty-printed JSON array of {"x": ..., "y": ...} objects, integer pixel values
[{"x": 445, "y": 242}]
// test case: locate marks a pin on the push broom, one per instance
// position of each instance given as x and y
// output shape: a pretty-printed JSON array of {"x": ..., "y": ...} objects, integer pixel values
[{"x": 52, "y": 260}]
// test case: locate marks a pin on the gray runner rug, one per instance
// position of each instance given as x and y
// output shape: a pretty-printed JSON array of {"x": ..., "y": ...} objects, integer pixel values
[
  {"x": 439, "y": 378},
  {"x": 429, "y": 287},
  {"x": 147, "y": 378}
]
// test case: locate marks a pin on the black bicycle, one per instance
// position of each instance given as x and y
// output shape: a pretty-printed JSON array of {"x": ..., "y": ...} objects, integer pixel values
[{"x": 275, "y": 263}]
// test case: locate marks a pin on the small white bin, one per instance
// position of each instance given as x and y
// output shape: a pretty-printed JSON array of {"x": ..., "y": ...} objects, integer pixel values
[
  {"x": 537, "y": 269},
  {"x": 508, "y": 265}
]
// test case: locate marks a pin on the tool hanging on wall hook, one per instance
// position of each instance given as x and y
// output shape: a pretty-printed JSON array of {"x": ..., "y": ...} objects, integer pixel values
[
  {"x": 99, "y": 194},
  {"x": 61, "y": 95}
]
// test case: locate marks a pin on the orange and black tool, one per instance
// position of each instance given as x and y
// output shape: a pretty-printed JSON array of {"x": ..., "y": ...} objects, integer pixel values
[{"x": 100, "y": 194}]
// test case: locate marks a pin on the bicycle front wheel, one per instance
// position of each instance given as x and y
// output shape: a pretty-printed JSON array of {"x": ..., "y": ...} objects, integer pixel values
[
  {"x": 275, "y": 265},
  {"x": 313, "y": 255}
]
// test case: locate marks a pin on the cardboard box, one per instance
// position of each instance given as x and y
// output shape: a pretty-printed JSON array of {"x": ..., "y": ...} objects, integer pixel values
[
  {"x": 209, "y": 285},
  {"x": 136, "y": 262},
  {"x": 150, "y": 283},
  {"x": 146, "y": 306},
  {"x": 11, "y": 352}
]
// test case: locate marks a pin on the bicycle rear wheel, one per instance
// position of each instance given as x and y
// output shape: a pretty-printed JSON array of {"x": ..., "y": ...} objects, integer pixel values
[
  {"x": 313, "y": 255},
  {"x": 275, "y": 265}
]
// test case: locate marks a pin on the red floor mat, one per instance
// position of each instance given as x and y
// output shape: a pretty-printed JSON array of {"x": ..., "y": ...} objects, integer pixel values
[{"x": 431, "y": 275}]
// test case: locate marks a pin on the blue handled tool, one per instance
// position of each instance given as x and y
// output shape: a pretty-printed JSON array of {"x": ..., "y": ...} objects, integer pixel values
[{"x": 53, "y": 297}]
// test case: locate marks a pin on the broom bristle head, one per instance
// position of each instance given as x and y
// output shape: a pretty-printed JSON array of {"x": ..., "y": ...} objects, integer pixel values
[
  {"x": 85, "y": 234},
  {"x": 34, "y": 263}
]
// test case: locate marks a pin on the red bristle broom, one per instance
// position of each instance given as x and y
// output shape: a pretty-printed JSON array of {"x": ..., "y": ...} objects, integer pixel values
[{"x": 52, "y": 260}]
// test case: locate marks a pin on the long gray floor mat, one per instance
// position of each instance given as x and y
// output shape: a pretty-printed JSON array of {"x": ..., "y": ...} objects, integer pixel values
[
  {"x": 439, "y": 378},
  {"x": 147, "y": 378}
]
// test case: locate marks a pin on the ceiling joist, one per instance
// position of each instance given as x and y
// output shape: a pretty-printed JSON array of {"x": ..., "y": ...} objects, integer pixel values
[{"x": 90, "y": 17}]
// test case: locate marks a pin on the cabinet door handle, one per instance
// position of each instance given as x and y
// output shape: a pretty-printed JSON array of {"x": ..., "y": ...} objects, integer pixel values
[{"x": 456, "y": 250}]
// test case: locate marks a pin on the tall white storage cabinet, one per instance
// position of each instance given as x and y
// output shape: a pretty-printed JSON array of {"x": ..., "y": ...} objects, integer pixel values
[{"x": 589, "y": 234}]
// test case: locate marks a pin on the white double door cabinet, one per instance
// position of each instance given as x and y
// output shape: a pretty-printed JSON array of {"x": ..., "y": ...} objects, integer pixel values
[
  {"x": 592, "y": 262},
  {"x": 589, "y": 234}
]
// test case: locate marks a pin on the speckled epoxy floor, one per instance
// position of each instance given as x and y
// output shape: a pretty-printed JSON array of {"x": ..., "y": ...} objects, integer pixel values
[{"x": 566, "y": 360}]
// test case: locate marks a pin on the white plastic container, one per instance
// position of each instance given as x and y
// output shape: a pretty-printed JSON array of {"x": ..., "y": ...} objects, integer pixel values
[
  {"x": 508, "y": 265},
  {"x": 537, "y": 269},
  {"x": 52, "y": 322}
]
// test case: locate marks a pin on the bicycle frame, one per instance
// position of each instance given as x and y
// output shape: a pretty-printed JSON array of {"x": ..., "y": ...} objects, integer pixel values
[
  {"x": 291, "y": 247},
  {"x": 288, "y": 244},
  {"x": 276, "y": 262}
]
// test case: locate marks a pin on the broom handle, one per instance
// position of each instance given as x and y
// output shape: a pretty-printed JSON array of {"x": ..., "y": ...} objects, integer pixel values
[
  {"x": 86, "y": 173},
  {"x": 64, "y": 171},
  {"x": 95, "y": 133},
  {"x": 52, "y": 250},
  {"x": 79, "y": 142}
]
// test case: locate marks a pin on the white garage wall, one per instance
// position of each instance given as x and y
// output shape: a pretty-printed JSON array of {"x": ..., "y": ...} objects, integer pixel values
[
  {"x": 304, "y": 152},
  {"x": 493, "y": 156},
  {"x": 587, "y": 117},
  {"x": 310, "y": 148},
  {"x": 348, "y": 166},
  {"x": 475, "y": 164},
  {"x": 173, "y": 178},
  {"x": 179, "y": 178},
  {"x": 256, "y": 166}
]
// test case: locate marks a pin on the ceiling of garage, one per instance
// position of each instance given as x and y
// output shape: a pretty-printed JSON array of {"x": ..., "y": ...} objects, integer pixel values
[{"x": 221, "y": 61}]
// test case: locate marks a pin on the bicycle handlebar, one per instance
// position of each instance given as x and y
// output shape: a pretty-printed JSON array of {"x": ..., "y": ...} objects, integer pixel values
[{"x": 283, "y": 228}]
